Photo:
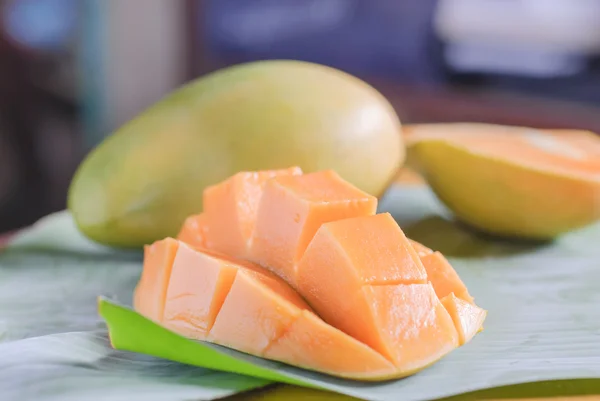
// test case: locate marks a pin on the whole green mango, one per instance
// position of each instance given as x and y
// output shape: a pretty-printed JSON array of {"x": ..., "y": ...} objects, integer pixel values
[{"x": 141, "y": 182}]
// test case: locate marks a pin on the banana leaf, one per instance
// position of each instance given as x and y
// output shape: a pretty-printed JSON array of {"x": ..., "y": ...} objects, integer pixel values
[
  {"x": 53, "y": 344},
  {"x": 543, "y": 323}
]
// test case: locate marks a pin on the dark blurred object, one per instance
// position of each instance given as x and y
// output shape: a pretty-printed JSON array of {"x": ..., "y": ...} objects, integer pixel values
[
  {"x": 21, "y": 186},
  {"x": 385, "y": 38},
  {"x": 452, "y": 104},
  {"x": 532, "y": 47},
  {"x": 37, "y": 116}
]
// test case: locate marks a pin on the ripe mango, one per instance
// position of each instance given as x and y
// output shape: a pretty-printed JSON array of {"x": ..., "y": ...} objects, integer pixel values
[
  {"x": 511, "y": 181},
  {"x": 142, "y": 181}
]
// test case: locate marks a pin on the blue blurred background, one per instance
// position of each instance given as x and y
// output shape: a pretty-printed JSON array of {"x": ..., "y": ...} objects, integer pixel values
[{"x": 71, "y": 71}]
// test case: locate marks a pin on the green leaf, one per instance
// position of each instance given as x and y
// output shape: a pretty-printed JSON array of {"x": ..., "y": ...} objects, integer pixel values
[
  {"x": 546, "y": 389},
  {"x": 125, "y": 325},
  {"x": 57, "y": 232},
  {"x": 82, "y": 366},
  {"x": 543, "y": 322},
  {"x": 53, "y": 344}
]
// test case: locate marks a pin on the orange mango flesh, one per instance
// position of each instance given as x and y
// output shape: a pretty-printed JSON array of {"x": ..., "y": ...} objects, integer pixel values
[
  {"x": 311, "y": 342},
  {"x": 440, "y": 272},
  {"x": 196, "y": 291},
  {"x": 390, "y": 258},
  {"x": 259, "y": 308},
  {"x": 231, "y": 207},
  {"x": 195, "y": 231},
  {"x": 241, "y": 305},
  {"x": 468, "y": 318},
  {"x": 569, "y": 152},
  {"x": 381, "y": 297},
  {"x": 291, "y": 211},
  {"x": 150, "y": 292},
  {"x": 421, "y": 249},
  {"x": 443, "y": 277},
  {"x": 415, "y": 326},
  {"x": 375, "y": 292}
]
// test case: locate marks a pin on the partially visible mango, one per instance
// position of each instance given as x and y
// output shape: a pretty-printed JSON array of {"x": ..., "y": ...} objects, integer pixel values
[
  {"x": 511, "y": 181},
  {"x": 143, "y": 181}
]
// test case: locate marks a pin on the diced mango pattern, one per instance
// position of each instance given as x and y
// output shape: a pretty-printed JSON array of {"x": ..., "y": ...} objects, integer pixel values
[
  {"x": 196, "y": 291},
  {"x": 151, "y": 290},
  {"x": 310, "y": 342},
  {"x": 468, "y": 318},
  {"x": 195, "y": 231},
  {"x": 291, "y": 211},
  {"x": 300, "y": 268},
  {"x": 380, "y": 295},
  {"x": 238, "y": 304},
  {"x": 443, "y": 277}
]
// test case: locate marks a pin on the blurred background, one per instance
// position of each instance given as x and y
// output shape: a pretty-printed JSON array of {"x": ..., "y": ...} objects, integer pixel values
[{"x": 71, "y": 71}]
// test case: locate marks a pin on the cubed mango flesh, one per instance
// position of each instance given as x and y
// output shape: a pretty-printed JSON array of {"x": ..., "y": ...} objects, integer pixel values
[
  {"x": 235, "y": 303},
  {"x": 291, "y": 211},
  {"x": 199, "y": 282},
  {"x": 259, "y": 308},
  {"x": 299, "y": 268},
  {"x": 381, "y": 296},
  {"x": 231, "y": 207},
  {"x": 309, "y": 342},
  {"x": 416, "y": 329},
  {"x": 468, "y": 318},
  {"x": 194, "y": 231},
  {"x": 421, "y": 249},
  {"x": 151, "y": 290},
  {"x": 443, "y": 277}
]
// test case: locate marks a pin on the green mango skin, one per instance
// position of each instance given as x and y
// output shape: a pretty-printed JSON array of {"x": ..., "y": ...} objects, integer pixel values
[{"x": 142, "y": 181}]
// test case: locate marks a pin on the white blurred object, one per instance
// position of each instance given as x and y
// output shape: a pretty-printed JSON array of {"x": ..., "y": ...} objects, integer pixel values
[{"x": 531, "y": 37}]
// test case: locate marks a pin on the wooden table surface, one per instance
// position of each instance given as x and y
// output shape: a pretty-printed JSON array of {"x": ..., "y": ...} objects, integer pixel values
[{"x": 285, "y": 392}]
